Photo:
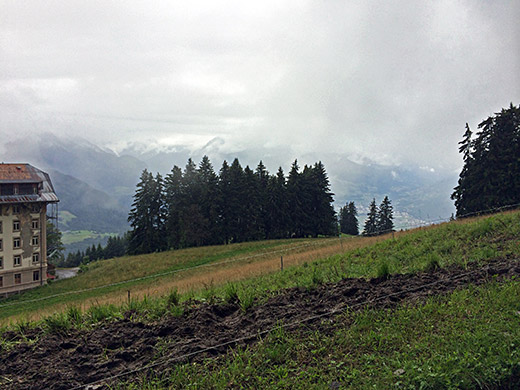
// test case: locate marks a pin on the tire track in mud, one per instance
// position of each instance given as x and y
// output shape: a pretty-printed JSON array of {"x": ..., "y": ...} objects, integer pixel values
[{"x": 79, "y": 357}]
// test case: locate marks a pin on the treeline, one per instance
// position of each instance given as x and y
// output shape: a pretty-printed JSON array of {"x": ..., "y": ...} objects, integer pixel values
[
  {"x": 490, "y": 178},
  {"x": 379, "y": 220},
  {"x": 115, "y": 247},
  {"x": 196, "y": 206}
]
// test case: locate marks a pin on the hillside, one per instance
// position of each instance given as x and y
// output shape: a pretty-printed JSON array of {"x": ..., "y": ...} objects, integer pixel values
[{"x": 432, "y": 308}]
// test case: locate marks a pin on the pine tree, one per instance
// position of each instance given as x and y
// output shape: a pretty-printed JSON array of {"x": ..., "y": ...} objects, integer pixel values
[
  {"x": 385, "y": 217},
  {"x": 262, "y": 199},
  {"x": 490, "y": 178},
  {"x": 173, "y": 196},
  {"x": 278, "y": 219},
  {"x": 348, "y": 221},
  {"x": 194, "y": 226},
  {"x": 370, "y": 228},
  {"x": 323, "y": 199},
  {"x": 297, "y": 200},
  {"x": 224, "y": 206},
  {"x": 147, "y": 215},
  {"x": 208, "y": 201}
]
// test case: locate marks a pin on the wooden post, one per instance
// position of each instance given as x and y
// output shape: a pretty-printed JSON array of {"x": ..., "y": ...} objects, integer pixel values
[
  {"x": 128, "y": 296},
  {"x": 281, "y": 263}
]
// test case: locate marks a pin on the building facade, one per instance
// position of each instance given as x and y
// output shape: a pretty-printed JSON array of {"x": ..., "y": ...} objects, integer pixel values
[{"x": 25, "y": 195}]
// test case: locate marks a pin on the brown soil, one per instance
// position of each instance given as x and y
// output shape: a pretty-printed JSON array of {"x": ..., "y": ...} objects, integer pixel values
[{"x": 80, "y": 357}]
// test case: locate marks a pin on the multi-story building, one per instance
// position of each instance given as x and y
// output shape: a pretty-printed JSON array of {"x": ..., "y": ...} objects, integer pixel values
[{"x": 25, "y": 194}]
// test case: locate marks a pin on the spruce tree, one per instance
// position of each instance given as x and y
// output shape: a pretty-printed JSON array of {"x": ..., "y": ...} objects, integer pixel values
[
  {"x": 490, "y": 178},
  {"x": 322, "y": 213},
  {"x": 348, "y": 221},
  {"x": 173, "y": 196},
  {"x": 208, "y": 200},
  {"x": 370, "y": 228},
  {"x": 278, "y": 218},
  {"x": 385, "y": 217},
  {"x": 146, "y": 216}
]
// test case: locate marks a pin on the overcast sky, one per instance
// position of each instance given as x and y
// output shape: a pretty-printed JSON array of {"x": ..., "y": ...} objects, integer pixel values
[{"x": 393, "y": 81}]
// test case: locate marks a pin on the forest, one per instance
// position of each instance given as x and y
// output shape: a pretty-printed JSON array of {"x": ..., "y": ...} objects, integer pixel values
[{"x": 196, "y": 206}]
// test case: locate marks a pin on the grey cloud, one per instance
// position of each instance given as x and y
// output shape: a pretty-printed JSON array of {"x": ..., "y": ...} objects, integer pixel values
[{"x": 391, "y": 81}]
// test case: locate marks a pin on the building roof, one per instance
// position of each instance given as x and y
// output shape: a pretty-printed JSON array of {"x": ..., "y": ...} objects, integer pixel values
[{"x": 24, "y": 174}]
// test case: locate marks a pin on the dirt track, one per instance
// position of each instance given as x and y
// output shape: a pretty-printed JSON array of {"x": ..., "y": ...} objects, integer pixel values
[{"x": 85, "y": 357}]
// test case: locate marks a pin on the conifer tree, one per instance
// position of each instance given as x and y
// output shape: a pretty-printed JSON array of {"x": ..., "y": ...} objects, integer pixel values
[
  {"x": 323, "y": 215},
  {"x": 348, "y": 221},
  {"x": 173, "y": 196},
  {"x": 296, "y": 200},
  {"x": 278, "y": 219},
  {"x": 370, "y": 228},
  {"x": 146, "y": 216},
  {"x": 490, "y": 178},
  {"x": 208, "y": 201},
  {"x": 385, "y": 217}
]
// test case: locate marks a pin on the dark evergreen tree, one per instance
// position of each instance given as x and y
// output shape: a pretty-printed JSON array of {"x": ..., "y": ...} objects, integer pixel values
[
  {"x": 173, "y": 196},
  {"x": 251, "y": 227},
  {"x": 278, "y": 218},
  {"x": 385, "y": 216},
  {"x": 370, "y": 228},
  {"x": 297, "y": 200},
  {"x": 146, "y": 216},
  {"x": 194, "y": 226},
  {"x": 490, "y": 178},
  {"x": 224, "y": 205},
  {"x": 262, "y": 199},
  {"x": 322, "y": 214},
  {"x": 208, "y": 187},
  {"x": 348, "y": 221},
  {"x": 237, "y": 202}
]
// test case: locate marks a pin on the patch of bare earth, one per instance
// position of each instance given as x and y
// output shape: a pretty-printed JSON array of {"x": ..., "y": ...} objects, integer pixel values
[{"x": 80, "y": 357}]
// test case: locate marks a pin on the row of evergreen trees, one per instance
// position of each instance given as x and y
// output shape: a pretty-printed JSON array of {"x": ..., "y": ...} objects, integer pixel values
[
  {"x": 379, "y": 220},
  {"x": 196, "y": 206},
  {"x": 490, "y": 178},
  {"x": 115, "y": 247}
]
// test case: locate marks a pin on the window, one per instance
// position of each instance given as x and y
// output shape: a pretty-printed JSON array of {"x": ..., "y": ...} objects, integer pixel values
[
  {"x": 0, "y": 221},
  {"x": 36, "y": 276},
  {"x": 1, "y": 262},
  {"x": 35, "y": 208},
  {"x": 17, "y": 260},
  {"x": 36, "y": 257},
  {"x": 35, "y": 224},
  {"x": 1, "y": 246},
  {"x": 1, "y": 281},
  {"x": 17, "y": 278},
  {"x": 16, "y": 226},
  {"x": 35, "y": 241},
  {"x": 16, "y": 242},
  {"x": 16, "y": 209}
]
